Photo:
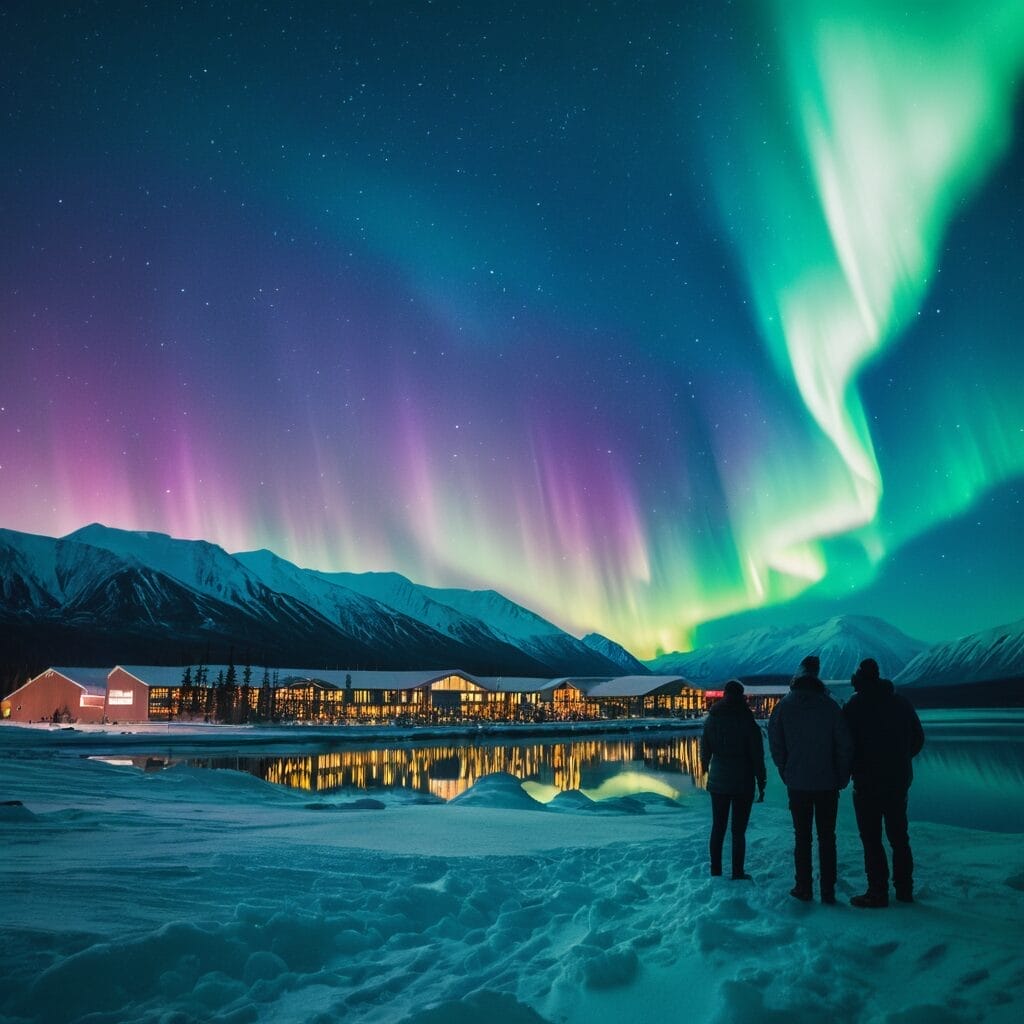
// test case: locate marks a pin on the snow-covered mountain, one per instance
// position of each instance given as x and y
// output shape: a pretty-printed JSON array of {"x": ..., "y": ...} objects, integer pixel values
[
  {"x": 386, "y": 609},
  {"x": 840, "y": 642},
  {"x": 991, "y": 654},
  {"x": 630, "y": 665},
  {"x": 105, "y": 596},
  {"x": 480, "y": 620}
]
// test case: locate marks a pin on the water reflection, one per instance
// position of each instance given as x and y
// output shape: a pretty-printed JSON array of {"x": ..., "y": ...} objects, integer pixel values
[
  {"x": 970, "y": 773},
  {"x": 446, "y": 770}
]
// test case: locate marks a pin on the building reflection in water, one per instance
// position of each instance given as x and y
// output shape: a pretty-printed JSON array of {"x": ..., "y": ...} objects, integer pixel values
[{"x": 447, "y": 770}]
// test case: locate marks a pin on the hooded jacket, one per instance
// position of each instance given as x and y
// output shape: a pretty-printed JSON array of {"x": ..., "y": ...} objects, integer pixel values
[
  {"x": 809, "y": 739},
  {"x": 731, "y": 748},
  {"x": 887, "y": 735}
]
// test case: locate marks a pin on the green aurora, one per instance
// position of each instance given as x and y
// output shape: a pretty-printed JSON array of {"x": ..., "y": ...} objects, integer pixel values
[{"x": 858, "y": 149}]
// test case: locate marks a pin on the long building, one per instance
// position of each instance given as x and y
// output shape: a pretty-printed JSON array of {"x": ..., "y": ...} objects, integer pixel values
[{"x": 147, "y": 693}]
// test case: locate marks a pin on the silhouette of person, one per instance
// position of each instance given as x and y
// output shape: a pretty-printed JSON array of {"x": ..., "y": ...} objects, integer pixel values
[
  {"x": 732, "y": 753},
  {"x": 887, "y": 735},
  {"x": 811, "y": 746}
]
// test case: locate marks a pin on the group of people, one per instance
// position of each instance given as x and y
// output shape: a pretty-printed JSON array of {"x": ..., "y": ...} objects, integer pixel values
[{"x": 817, "y": 747}]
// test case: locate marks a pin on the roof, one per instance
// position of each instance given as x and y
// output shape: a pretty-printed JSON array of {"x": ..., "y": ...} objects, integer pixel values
[
  {"x": 92, "y": 680},
  {"x": 514, "y": 684},
  {"x": 639, "y": 686},
  {"x": 339, "y": 679},
  {"x": 170, "y": 675}
]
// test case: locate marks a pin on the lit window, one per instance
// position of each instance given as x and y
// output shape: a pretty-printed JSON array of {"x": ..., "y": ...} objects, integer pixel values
[{"x": 120, "y": 697}]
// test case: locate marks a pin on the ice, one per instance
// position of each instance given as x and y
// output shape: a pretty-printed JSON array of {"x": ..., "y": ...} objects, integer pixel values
[{"x": 188, "y": 895}]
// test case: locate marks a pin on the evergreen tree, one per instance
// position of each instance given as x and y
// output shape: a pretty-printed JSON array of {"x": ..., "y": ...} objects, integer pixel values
[
  {"x": 263, "y": 704},
  {"x": 198, "y": 705},
  {"x": 229, "y": 697},
  {"x": 245, "y": 701},
  {"x": 185, "y": 692},
  {"x": 219, "y": 709}
]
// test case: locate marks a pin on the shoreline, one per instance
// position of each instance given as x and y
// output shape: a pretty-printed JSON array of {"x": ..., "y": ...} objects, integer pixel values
[{"x": 38, "y": 734}]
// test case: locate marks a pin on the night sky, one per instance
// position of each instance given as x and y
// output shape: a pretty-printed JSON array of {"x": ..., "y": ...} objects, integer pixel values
[{"x": 664, "y": 319}]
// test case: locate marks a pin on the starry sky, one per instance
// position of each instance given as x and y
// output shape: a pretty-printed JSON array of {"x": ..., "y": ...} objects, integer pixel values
[{"x": 664, "y": 319}]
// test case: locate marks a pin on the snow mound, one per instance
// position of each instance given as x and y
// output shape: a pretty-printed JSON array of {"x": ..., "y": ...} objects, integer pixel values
[
  {"x": 12, "y": 811},
  {"x": 493, "y": 1007},
  {"x": 574, "y": 802},
  {"x": 227, "y": 782},
  {"x": 362, "y": 804},
  {"x": 499, "y": 790}
]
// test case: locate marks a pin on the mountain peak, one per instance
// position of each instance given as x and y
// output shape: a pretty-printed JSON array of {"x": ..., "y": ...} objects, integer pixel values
[{"x": 841, "y": 642}]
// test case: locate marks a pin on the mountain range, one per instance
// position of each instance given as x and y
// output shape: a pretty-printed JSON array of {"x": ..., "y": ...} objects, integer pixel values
[
  {"x": 992, "y": 654},
  {"x": 107, "y": 596},
  {"x": 840, "y": 643},
  {"x": 102, "y": 596}
]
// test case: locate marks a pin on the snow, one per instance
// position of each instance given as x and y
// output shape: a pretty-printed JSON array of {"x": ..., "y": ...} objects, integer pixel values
[
  {"x": 190, "y": 894},
  {"x": 996, "y": 653},
  {"x": 206, "y": 568},
  {"x": 840, "y": 642}
]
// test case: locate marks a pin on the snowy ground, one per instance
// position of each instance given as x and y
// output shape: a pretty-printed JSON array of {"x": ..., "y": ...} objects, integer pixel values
[{"x": 191, "y": 895}]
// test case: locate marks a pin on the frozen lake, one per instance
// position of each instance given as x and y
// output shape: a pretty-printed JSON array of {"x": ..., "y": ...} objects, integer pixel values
[{"x": 970, "y": 774}]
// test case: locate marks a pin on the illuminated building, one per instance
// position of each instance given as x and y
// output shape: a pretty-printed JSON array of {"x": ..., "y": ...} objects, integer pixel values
[{"x": 133, "y": 693}]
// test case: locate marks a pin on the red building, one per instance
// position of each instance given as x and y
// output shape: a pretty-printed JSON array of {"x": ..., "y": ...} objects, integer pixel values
[{"x": 60, "y": 694}]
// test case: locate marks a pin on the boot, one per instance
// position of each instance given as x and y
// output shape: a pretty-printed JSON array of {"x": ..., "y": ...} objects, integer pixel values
[
  {"x": 798, "y": 892},
  {"x": 870, "y": 900}
]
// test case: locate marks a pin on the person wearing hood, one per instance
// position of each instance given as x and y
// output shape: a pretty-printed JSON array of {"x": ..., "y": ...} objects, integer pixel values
[
  {"x": 732, "y": 753},
  {"x": 811, "y": 746},
  {"x": 887, "y": 736}
]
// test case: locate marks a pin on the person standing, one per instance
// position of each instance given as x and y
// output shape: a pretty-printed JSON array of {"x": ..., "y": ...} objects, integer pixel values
[
  {"x": 732, "y": 753},
  {"x": 811, "y": 746},
  {"x": 887, "y": 736}
]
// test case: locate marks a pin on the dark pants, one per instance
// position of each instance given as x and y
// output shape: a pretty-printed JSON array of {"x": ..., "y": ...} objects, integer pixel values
[
  {"x": 872, "y": 810},
  {"x": 740, "y": 803},
  {"x": 816, "y": 808}
]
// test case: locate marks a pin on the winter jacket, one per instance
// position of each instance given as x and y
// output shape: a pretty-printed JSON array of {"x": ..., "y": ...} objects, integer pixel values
[
  {"x": 809, "y": 739},
  {"x": 887, "y": 735},
  {"x": 731, "y": 748}
]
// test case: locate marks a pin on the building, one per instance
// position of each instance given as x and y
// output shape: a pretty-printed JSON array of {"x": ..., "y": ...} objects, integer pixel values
[
  {"x": 645, "y": 696},
  {"x": 226, "y": 693},
  {"x": 59, "y": 695}
]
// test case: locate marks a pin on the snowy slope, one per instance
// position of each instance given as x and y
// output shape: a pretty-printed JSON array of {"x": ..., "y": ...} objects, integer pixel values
[
  {"x": 481, "y": 618},
  {"x": 616, "y": 653},
  {"x": 204, "y": 567},
  {"x": 840, "y": 642},
  {"x": 992, "y": 654},
  {"x": 354, "y": 612},
  {"x": 28, "y": 572},
  {"x": 500, "y": 614},
  {"x": 386, "y": 625},
  {"x": 398, "y": 592}
]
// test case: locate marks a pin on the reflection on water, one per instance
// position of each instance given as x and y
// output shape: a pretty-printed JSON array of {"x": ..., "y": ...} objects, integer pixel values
[
  {"x": 446, "y": 770},
  {"x": 970, "y": 773}
]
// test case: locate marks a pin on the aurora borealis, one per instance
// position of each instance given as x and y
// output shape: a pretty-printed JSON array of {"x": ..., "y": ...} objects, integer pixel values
[{"x": 658, "y": 318}]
